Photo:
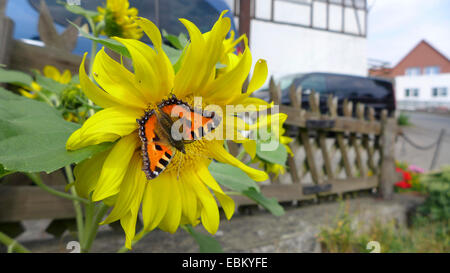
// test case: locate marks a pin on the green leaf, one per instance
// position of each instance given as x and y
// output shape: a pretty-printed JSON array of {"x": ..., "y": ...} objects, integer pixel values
[
  {"x": 50, "y": 84},
  {"x": 183, "y": 40},
  {"x": 236, "y": 180},
  {"x": 172, "y": 53},
  {"x": 109, "y": 43},
  {"x": 16, "y": 77},
  {"x": 207, "y": 243},
  {"x": 81, "y": 11},
  {"x": 232, "y": 177},
  {"x": 173, "y": 40},
  {"x": 33, "y": 136},
  {"x": 270, "y": 204},
  {"x": 278, "y": 156}
]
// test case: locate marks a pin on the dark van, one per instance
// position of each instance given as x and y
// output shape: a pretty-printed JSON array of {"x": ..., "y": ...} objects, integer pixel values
[{"x": 375, "y": 92}]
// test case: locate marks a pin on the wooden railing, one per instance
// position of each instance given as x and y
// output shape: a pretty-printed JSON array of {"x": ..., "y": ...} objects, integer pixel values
[{"x": 333, "y": 154}]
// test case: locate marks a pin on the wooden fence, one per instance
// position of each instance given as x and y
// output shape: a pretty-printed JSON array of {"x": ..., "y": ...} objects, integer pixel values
[
  {"x": 359, "y": 154},
  {"x": 333, "y": 154}
]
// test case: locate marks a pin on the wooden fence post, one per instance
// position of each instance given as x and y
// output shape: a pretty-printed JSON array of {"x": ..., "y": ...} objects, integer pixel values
[
  {"x": 388, "y": 175},
  {"x": 6, "y": 32}
]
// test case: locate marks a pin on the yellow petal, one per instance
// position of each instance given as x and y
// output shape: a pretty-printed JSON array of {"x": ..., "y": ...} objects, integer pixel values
[
  {"x": 106, "y": 125},
  {"x": 155, "y": 201},
  {"x": 227, "y": 203},
  {"x": 65, "y": 77},
  {"x": 210, "y": 211},
  {"x": 118, "y": 81},
  {"x": 172, "y": 218},
  {"x": 165, "y": 70},
  {"x": 131, "y": 191},
  {"x": 128, "y": 223},
  {"x": 228, "y": 86},
  {"x": 259, "y": 76},
  {"x": 52, "y": 72},
  {"x": 146, "y": 69},
  {"x": 27, "y": 94},
  {"x": 115, "y": 167},
  {"x": 93, "y": 92},
  {"x": 87, "y": 174},
  {"x": 188, "y": 200},
  {"x": 220, "y": 154},
  {"x": 250, "y": 147},
  {"x": 192, "y": 69}
]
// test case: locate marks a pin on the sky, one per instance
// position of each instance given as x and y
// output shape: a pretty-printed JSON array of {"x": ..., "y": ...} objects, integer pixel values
[{"x": 397, "y": 26}]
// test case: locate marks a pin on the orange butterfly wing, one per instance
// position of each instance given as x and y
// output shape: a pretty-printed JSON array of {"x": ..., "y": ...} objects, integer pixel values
[
  {"x": 155, "y": 154},
  {"x": 197, "y": 123}
]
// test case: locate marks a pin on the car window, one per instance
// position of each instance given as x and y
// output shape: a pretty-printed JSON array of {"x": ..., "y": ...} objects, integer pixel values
[
  {"x": 313, "y": 82},
  {"x": 348, "y": 87},
  {"x": 286, "y": 82},
  {"x": 383, "y": 89}
]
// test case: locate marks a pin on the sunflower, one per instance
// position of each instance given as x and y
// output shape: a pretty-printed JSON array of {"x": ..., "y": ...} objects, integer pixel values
[
  {"x": 119, "y": 19},
  {"x": 277, "y": 132},
  {"x": 51, "y": 72},
  {"x": 183, "y": 193}
]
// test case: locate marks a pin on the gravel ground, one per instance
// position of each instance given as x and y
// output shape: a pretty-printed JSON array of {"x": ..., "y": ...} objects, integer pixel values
[
  {"x": 260, "y": 232},
  {"x": 425, "y": 130}
]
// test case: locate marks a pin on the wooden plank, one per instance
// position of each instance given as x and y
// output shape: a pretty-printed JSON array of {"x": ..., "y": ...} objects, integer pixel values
[
  {"x": 293, "y": 166},
  {"x": 275, "y": 93},
  {"x": 355, "y": 144},
  {"x": 26, "y": 57},
  {"x": 295, "y": 95},
  {"x": 388, "y": 174},
  {"x": 370, "y": 153},
  {"x": 325, "y": 155},
  {"x": 352, "y": 184},
  {"x": 31, "y": 202},
  {"x": 342, "y": 124},
  {"x": 6, "y": 32},
  {"x": 309, "y": 155},
  {"x": 282, "y": 192},
  {"x": 343, "y": 146}
]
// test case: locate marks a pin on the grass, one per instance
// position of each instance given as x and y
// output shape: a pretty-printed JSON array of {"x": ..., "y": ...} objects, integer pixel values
[
  {"x": 403, "y": 119},
  {"x": 345, "y": 236}
]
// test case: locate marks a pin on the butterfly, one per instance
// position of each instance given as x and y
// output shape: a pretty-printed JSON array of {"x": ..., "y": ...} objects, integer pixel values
[{"x": 161, "y": 139}]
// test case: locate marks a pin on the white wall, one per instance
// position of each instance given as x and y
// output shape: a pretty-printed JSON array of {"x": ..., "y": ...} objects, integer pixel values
[
  {"x": 424, "y": 83},
  {"x": 292, "y": 49}
]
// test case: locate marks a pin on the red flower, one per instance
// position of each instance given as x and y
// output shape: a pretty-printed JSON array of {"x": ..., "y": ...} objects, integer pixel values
[
  {"x": 403, "y": 185},
  {"x": 397, "y": 169},
  {"x": 407, "y": 176}
]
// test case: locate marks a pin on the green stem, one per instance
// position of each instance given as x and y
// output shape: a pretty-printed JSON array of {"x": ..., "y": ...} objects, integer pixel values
[
  {"x": 76, "y": 204},
  {"x": 136, "y": 239},
  {"x": 37, "y": 180},
  {"x": 91, "y": 231},
  {"x": 12, "y": 244},
  {"x": 45, "y": 98},
  {"x": 91, "y": 59}
]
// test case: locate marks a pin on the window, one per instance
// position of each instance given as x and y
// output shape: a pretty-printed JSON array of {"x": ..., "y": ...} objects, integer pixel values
[
  {"x": 432, "y": 70},
  {"x": 313, "y": 82},
  {"x": 412, "y": 71},
  {"x": 439, "y": 91},
  {"x": 412, "y": 92}
]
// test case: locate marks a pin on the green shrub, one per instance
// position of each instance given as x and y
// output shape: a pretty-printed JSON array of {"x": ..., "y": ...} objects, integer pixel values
[
  {"x": 403, "y": 119},
  {"x": 437, "y": 205}
]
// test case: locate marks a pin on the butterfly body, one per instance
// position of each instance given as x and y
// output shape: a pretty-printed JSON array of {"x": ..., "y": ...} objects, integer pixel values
[{"x": 168, "y": 129}]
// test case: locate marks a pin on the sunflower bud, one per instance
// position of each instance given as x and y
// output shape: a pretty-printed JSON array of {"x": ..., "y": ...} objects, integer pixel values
[{"x": 70, "y": 97}]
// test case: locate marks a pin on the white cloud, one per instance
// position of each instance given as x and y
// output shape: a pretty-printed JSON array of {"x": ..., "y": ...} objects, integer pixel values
[{"x": 395, "y": 27}]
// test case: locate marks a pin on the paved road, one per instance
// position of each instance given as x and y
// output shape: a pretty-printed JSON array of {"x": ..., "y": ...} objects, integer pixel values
[{"x": 424, "y": 130}]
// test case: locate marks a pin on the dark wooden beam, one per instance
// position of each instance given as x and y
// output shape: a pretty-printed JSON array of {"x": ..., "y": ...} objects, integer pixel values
[{"x": 244, "y": 18}]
